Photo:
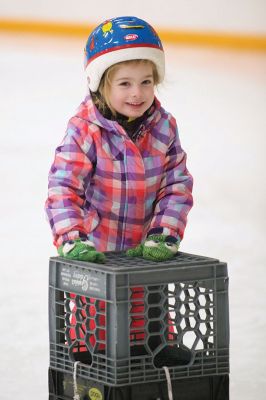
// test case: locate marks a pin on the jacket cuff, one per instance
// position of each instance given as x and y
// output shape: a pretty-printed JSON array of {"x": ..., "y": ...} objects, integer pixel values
[
  {"x": 170, "y": 233},
  {"x": 66, "y": 237}
]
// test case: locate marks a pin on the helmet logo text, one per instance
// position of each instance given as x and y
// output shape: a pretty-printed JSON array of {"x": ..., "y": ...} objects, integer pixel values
[{"x": 131, "y": 36}]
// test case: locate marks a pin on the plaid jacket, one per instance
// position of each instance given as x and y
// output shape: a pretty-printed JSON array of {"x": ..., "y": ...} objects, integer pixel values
[{"x": 105, "y": 186}]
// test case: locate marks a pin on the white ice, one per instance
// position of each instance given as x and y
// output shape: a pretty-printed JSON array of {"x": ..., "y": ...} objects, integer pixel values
[{"x": 219, "y": 100}]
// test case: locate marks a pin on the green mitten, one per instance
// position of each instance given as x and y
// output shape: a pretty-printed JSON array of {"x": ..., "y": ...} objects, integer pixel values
[
  {"x": 81, "y": 250},
  {"x": 156, "y": 248}
]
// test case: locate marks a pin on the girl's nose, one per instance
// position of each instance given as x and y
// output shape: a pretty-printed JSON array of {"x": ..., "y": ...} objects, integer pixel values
[{"x": 136, "y": 90}]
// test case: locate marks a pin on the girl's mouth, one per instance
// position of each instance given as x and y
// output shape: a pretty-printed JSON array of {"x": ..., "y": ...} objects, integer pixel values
[{"x": 133, "y": 104}]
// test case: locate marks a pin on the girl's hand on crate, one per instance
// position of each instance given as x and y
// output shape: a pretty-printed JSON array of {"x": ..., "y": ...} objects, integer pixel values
[
  {"x": 156, "y": 248},
  {"x": 81, "y": 250}
]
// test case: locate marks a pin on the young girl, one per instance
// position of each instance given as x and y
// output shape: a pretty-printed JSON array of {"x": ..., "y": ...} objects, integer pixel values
[{"x": 119, "y": 180}]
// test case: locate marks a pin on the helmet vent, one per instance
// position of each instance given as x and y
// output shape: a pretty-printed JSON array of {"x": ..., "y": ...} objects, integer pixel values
[{"x": 124, "y": 26}]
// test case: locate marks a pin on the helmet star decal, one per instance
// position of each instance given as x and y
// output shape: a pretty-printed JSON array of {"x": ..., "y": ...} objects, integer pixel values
[{"x": 107, "y": 27}]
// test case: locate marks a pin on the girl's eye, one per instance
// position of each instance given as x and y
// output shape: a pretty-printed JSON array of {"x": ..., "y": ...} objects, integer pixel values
[
  {"x": 147, "y": 82},
  {"x": 124, "y": 83}
]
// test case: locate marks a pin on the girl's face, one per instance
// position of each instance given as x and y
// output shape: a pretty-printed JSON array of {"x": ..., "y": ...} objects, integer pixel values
[{"x": 132, "y": 89}]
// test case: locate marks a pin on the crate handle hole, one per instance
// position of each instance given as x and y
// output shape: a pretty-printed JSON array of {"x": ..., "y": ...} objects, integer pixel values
[{"x": 172, "y": 356}]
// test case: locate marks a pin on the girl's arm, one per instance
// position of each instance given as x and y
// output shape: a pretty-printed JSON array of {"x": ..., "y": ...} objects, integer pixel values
[
  {"x": 69, "y": 175},
  {"x": 174, "y": 198}
]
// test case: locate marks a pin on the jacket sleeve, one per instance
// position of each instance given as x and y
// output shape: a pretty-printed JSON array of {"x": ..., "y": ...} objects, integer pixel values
[
  {"x": 68, "y": 177},
  {"x": 174, "y": 199}
]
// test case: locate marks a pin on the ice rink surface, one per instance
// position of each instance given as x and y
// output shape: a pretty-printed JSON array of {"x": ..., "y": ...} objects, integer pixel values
[{"x": 219, "y": 100}]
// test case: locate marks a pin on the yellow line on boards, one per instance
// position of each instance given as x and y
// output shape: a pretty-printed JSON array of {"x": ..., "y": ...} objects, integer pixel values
[
  {"x": 213, "y": 39},
  {"x": 45, "y": 27}
]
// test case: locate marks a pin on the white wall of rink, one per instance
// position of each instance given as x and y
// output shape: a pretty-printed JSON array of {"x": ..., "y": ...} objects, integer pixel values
[{"x": 237, "y": 16}]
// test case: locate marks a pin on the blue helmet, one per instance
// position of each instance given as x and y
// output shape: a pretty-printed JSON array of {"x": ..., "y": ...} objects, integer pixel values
[{"x": 121, "y": 39}]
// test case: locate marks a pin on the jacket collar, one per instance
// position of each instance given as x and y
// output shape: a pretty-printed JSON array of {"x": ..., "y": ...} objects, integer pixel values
[{"x": 88, "y": 111}]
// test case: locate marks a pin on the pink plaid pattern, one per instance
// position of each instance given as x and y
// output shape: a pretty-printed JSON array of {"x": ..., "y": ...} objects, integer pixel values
[{"x": 104, "y": 186}]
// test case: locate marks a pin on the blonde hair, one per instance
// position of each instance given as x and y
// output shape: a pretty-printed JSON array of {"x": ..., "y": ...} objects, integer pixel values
[{"x": 102, "y": 101}]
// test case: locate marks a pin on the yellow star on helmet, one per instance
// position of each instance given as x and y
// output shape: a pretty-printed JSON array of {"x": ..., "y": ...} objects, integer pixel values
[{"x": 107, "y": 27}]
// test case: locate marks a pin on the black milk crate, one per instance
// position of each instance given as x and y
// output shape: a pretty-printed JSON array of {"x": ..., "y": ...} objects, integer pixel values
[
  {"x": 215, "y": 387},
  {"x": 126, "y": 319}
]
